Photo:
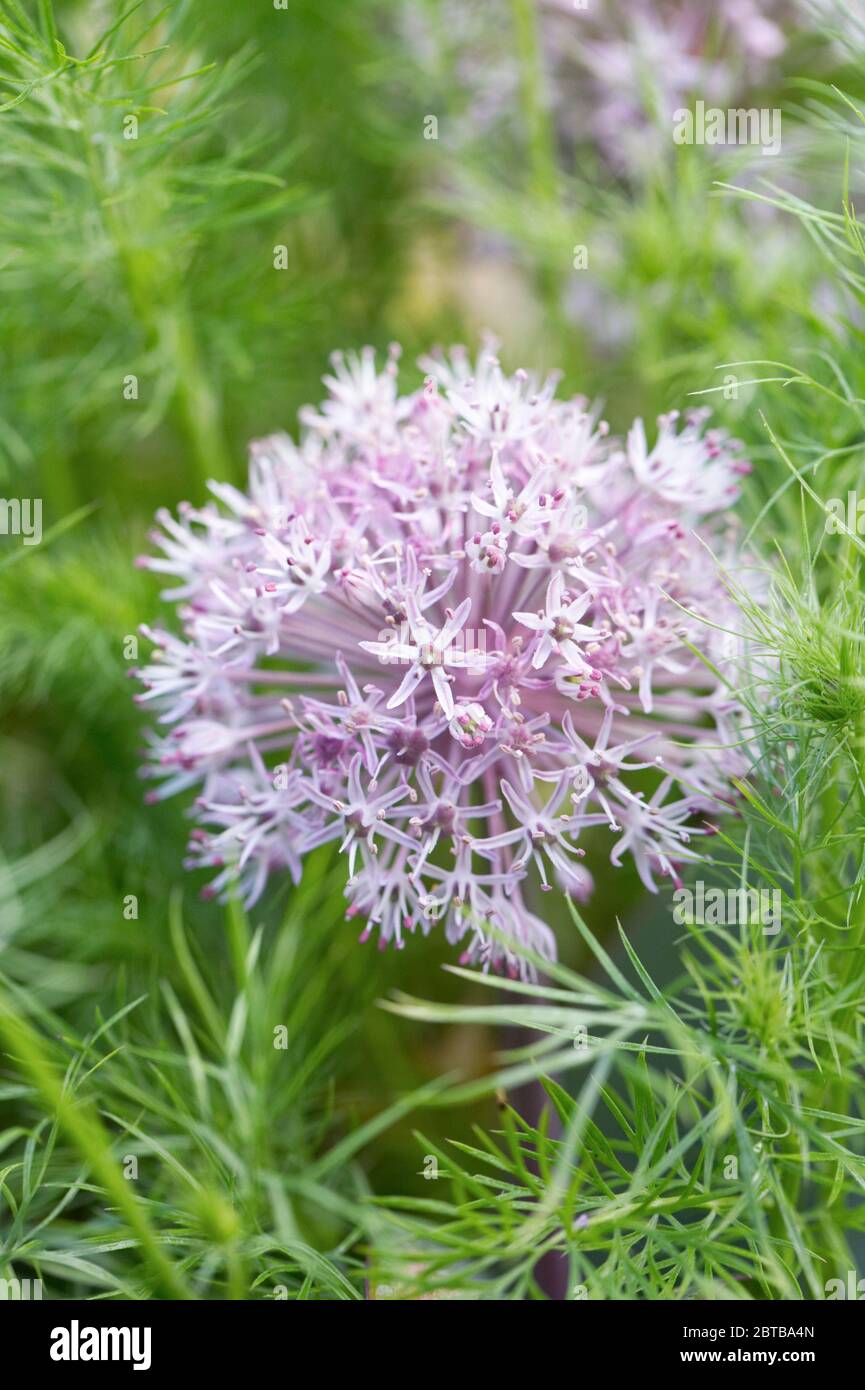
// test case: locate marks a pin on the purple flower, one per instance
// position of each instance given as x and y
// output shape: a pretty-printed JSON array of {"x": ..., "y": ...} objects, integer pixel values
[
  {"x": 449, "y": 632},
  {"x": 557, "y": 627},
  {"x": 646, "y": 59}
]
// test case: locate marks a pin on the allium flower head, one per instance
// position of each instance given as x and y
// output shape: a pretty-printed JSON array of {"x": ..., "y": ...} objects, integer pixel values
[{"x": 449, "y": 631}]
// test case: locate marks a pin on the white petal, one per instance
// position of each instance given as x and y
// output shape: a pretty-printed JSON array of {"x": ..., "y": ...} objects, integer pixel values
[
  {"x": 409, "y": 685},
  {"x": 531, "y": 620}
]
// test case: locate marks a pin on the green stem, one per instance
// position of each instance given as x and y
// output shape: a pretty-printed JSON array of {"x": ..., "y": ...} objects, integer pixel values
[
  {"x": 158, "y": 301},
  {"x": 543, "y": 181},
  {"x": 541, "y": 144}
]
